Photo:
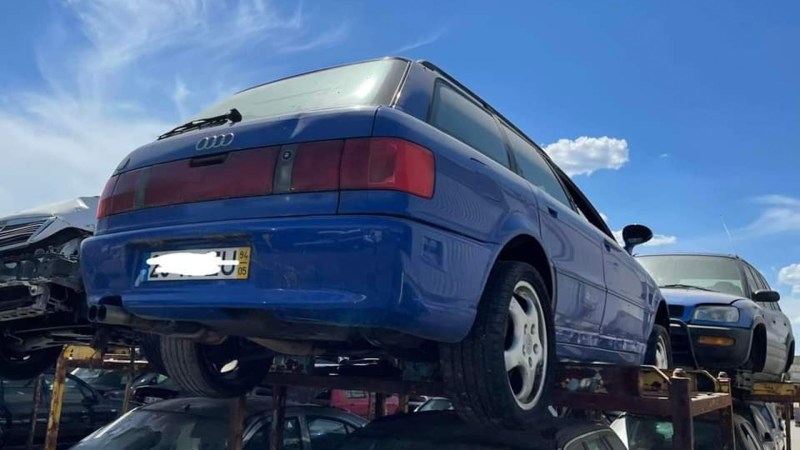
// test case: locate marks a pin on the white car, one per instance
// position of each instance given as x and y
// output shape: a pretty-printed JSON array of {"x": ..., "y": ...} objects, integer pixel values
[{"x": 42, "y": 302}]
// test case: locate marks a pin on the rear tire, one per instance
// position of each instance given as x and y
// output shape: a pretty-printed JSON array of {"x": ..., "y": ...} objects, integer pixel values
[
  {"x": 659, "y": 348},
  {"x": 501, "y": 374},
  {"x": 227, "y": 370},
  {"x": 15, "y": 366},
  {"x": 150, "y": 345}
]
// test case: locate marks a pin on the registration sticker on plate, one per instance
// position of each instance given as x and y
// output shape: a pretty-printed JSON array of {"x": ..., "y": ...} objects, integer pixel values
[{"x": 231, "y": 263}]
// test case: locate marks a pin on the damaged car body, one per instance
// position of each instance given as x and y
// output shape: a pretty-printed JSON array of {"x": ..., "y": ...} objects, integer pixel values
[{"x": 42, "y": 301}]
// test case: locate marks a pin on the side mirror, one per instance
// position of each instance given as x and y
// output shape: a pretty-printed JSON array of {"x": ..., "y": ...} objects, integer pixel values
[
  {"x": 766, "y": 296},
  {"x": 633, "y": 235}
]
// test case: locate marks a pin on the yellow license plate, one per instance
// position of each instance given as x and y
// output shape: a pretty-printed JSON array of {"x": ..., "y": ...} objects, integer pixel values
[{"x": 229, "y": 263}]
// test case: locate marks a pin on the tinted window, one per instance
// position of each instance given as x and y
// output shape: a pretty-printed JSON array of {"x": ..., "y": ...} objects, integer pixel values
[
  {"x": 412, "y": 443},
  {"x": 326, "y": 434},
  {"x": 765, "y": 413},
  {"x": 656, "y": 434},
  {"x": 595, "y": 442},
  {"x": 291, "y": 437},
  {"x": 143, "y": 429},
  {"x": 751, "y": 279},
  {"x": 534, "y": 168},
  {"x": 714, "y": 273},
  {"x": 466, "y": 121}
]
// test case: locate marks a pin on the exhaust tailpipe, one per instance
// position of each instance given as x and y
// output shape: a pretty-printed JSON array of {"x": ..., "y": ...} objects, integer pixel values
[{"x": 116, "y": 315}]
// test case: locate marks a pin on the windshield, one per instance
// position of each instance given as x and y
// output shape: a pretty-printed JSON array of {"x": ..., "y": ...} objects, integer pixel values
[
  {"x": 656, "y": 434},
  {"x": 363, "y": 84},
  {"x": 715, "y": 273},
  {"x": 163, "y": 430}
]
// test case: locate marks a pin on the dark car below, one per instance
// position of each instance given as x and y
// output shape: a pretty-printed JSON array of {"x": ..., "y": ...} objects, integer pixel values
[
  {"x": 84, "y": 410},
  {"x": 653, "y": 433},
  {"x": 444, "y": 430},
  {"x": 202, "y": 423}
]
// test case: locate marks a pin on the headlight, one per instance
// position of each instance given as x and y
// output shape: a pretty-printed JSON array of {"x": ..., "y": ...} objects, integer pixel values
[{"x": 727, "y": 314}]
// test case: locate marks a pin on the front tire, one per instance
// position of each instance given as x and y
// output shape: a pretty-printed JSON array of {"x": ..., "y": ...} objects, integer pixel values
[
  {"x": 226, "y": 370},
  {"x": 659, "y": 348},
  {"x": 16, "y": 366},
  {"x": 501, "y": 374}
]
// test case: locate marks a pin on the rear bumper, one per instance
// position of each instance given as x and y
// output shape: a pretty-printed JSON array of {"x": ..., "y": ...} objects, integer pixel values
[
  {"x": 711, "y": 356},
  {"x": 347, "y": 271}
]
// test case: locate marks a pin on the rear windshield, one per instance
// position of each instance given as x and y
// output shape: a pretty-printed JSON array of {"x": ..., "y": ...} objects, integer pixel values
[{"x": 363, "y": 84}]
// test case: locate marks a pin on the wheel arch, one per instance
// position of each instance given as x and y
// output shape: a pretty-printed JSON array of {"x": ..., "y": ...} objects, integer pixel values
[
  {"x": 662, "y": 315},
  {"x": 758, "y": 344},
  {"x": 526, "y": 248},
  {"x": 789, "y": 357}
]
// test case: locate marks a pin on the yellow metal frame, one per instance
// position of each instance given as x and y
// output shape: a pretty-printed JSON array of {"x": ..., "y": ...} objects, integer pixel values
[{"x": 75, "y": 356}]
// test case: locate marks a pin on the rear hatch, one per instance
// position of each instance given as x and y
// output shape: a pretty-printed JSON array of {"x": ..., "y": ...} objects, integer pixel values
[{"x": 283, "y": 159}]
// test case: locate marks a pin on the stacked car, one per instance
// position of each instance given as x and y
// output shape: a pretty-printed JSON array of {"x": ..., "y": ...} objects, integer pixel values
[{"x": 378, "y": 209}]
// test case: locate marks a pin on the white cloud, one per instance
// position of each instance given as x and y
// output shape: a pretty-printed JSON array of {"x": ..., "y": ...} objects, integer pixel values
[
  {"x": 790, "y": 275},
  {"x": 661, "y": 239},
  {"x": 781, "y": 214},
  {"x": 585, "y": 155},
  {"x": 421, "y": 42},
  {"x": 657, "y": 241},
  {"x": 664, "y": 155},
  {"x": 117, "y": 74}
]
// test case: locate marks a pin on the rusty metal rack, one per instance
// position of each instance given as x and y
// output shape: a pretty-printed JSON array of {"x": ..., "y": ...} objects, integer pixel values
[
  {"x": 682, "y": 395},
  {"x": 73, "y": 357},
  {"x": 783, "y": 393}
]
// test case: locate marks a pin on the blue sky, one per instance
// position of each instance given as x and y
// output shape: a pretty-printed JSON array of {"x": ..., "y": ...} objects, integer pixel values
[{"x": 678, "y": 115}]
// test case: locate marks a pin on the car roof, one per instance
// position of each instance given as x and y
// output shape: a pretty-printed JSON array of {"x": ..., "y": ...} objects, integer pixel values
[
  {"x": 446, "y": 426},
  {"x": 212, "y": 407},
  {"x": 715, "y": 255}
]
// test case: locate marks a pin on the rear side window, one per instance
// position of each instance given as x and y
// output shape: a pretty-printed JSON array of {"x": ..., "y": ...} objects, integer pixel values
[
  {"x": 466, "y": 121},
  {"x": 534, "y": 168}
]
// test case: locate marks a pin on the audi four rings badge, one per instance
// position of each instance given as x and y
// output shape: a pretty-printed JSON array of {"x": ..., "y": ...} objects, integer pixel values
[{"x": 216, "y": 141}]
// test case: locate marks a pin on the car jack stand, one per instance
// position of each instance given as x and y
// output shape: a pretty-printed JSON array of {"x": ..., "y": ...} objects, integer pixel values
[
  {"x": 56, "y": 400},
  {"x": 236, "y": 423},
  {"x": 278, "y": 417},
  {"x": 37, "y": 399}
]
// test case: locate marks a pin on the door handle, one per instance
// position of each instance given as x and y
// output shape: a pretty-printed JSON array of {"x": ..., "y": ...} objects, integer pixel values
[
  {"x": 607, "y": 245},
  {"x": 553, "y": 212}
]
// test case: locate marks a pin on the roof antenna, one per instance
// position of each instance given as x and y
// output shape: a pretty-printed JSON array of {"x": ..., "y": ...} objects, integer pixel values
[{"x": 730, "y": 238}]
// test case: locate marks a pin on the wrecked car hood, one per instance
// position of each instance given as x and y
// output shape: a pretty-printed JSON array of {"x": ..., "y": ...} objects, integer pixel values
[{"x": 35, "y": 224}]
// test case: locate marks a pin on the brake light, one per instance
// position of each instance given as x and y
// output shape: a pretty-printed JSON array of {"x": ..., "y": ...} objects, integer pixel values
[
  {"x": 388, "y": 163},
  {"x": 316, "y": 166},
  {"x": 370, "y": 163},
  {"x": 104, "y": 207},
  {"x": 236, "y": 174}
]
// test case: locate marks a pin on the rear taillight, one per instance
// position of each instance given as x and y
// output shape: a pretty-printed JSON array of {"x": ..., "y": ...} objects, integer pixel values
[
  {"x": 387, "y": 164},
  {"x": 316, "y": 166},
  {"x": 104, "y": 207},
  {"x": 355, "y": 164}
]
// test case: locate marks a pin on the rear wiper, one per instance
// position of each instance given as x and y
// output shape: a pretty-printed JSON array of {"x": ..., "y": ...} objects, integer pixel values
[
  {"x": 231, "y": 116},
  {"x": 685, "y": 286}
]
